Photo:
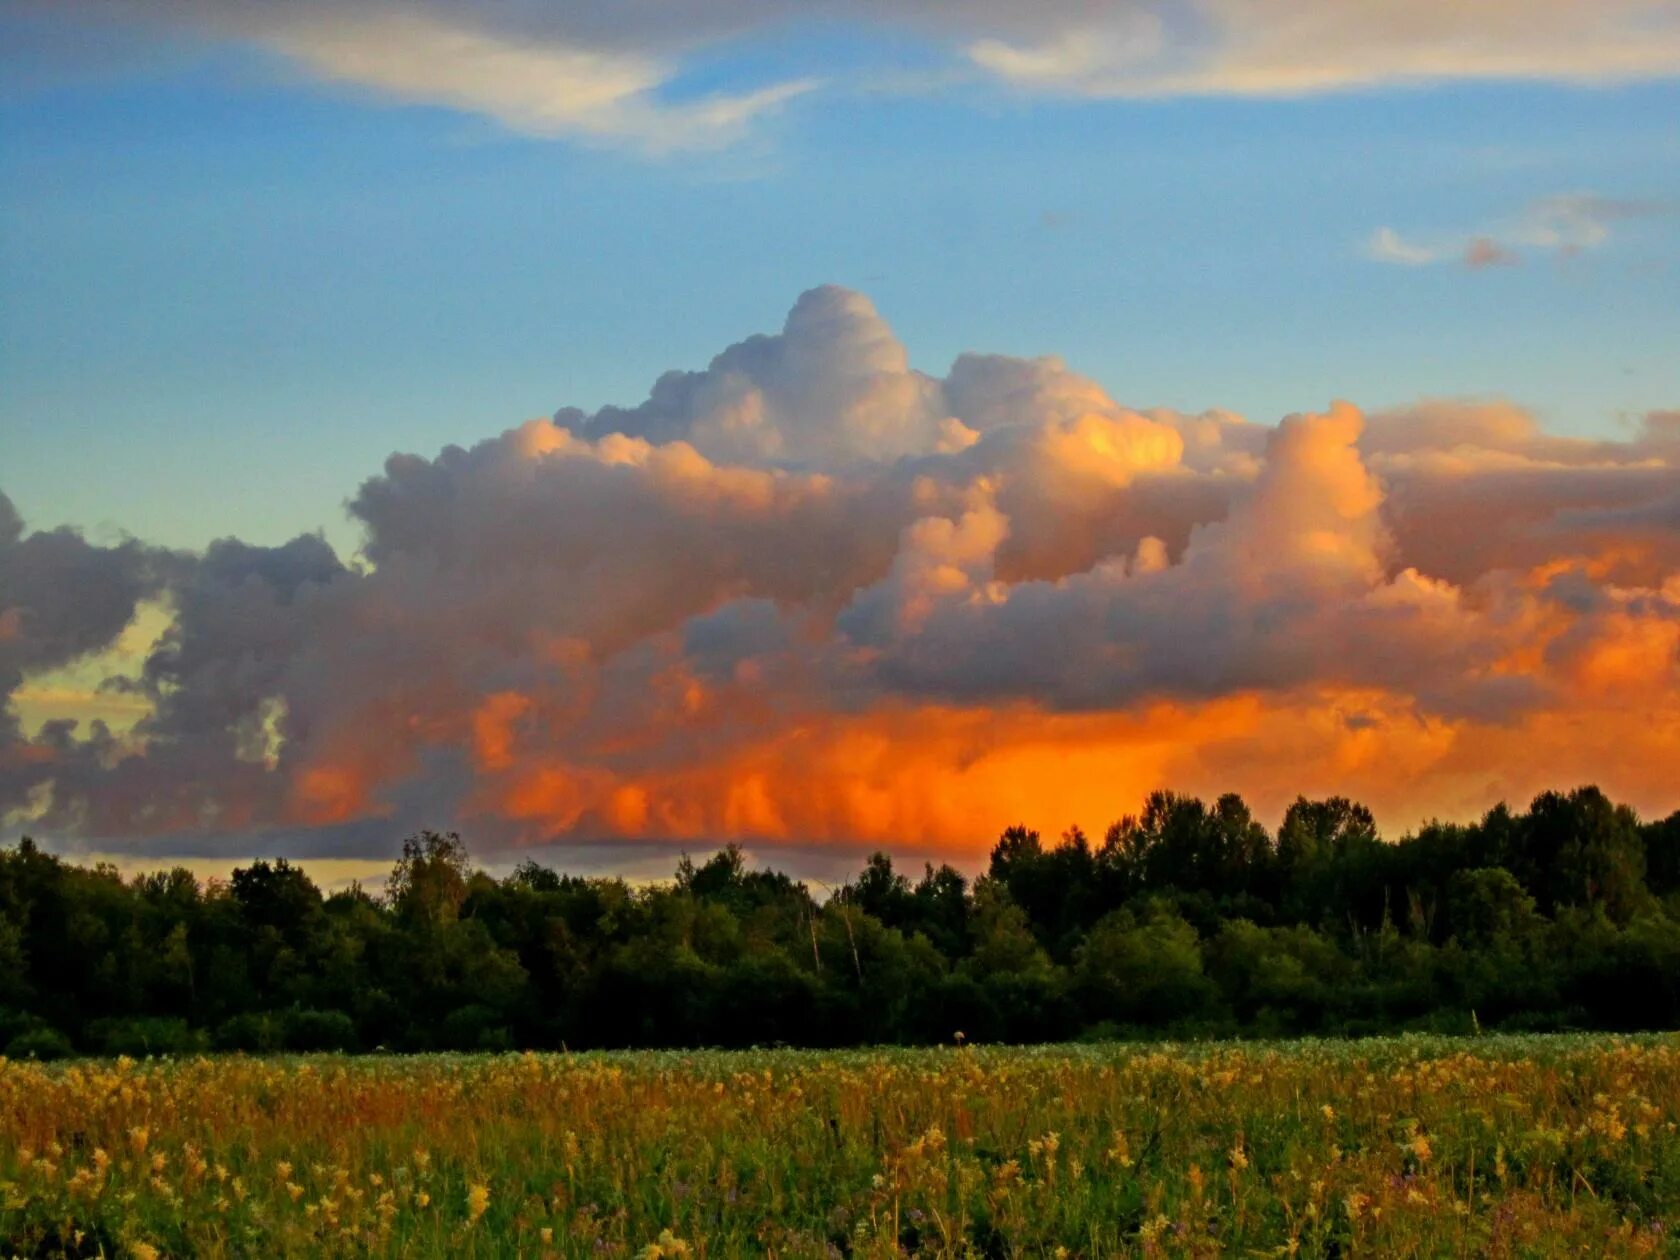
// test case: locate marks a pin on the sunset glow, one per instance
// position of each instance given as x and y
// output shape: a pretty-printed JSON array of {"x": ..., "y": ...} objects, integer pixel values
[
  {"x": 652, "y": 624},
  {"x": 890, "y": 571}
]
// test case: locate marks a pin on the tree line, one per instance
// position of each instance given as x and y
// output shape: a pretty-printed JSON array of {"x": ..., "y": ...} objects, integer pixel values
[{"x": 1187, "y": 919}]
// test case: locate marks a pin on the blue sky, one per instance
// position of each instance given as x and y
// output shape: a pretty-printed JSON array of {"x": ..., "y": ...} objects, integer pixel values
[
  {"x": 249, "y": 249},
  {"x": 231, "y": 289}
]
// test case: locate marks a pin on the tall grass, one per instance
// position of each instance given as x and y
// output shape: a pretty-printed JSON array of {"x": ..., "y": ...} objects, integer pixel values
[{"x": 1410, "y": 1146}]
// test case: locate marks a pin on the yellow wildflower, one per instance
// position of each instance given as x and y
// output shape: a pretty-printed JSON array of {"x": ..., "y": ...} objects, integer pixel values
[{"x": 667, "y": 1247}]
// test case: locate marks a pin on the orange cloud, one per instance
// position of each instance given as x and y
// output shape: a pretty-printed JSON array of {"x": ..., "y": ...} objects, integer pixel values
[{"x": 810, "y": 595}]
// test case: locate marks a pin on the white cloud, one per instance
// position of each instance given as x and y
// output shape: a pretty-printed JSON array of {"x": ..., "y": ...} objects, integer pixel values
[
  {"x": 539, "y": 87},
  {"x": 1387, "y": 245},
  {"x": 1304, "y": 47},
  {"x": 1565, "y": 224},
  {"x": 612, "y": 73}
]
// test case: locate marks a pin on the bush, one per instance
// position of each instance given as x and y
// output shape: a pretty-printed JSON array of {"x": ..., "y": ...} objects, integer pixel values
[
  {"x": 141, "y": 1038},
  {"x": 318, "y": 1030},
  {"x": 257, "y": 1032},
  {"x": 475, "y": 1027},
  {"x": 40, "y": 1043}
]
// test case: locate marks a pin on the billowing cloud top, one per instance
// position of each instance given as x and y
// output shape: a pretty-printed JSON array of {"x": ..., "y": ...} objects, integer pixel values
[
  {"x": 614, "y": 72},
  {"x": 811, "y": 594}
]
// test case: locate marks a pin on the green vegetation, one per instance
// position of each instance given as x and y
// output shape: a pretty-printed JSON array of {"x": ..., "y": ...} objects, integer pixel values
[
  {"x": 1189, "y": 919},
  {"x": 1417, "y": 1146}
]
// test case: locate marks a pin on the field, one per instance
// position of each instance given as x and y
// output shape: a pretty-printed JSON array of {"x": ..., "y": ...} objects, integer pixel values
[{"x": 1423, "y": 1147}]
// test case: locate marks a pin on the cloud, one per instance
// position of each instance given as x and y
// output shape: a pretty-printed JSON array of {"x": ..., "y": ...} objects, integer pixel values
[
  {"x": 1563, "y": 225},
  {"x": 541, "y": 73},
  {"x": 1302, "y": 47},
  {"x": 833, "y": 386},
  {"x": 810, "y": 594},
  {"x": 615, "y": 73},
  {"x": 1387, "y": 245},
  {"x": 61, "y": 599},
  {"x": 539, "y": 87},
  {"x": 1484, "y": 251}
]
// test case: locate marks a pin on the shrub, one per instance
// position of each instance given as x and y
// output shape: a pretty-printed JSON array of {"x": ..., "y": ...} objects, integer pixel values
[
  {"x": 318, "y": 1030},
  {"x": 40, "y": 1043},
  {"x": 257, "y": 1032},
  {"x": 140, "y": 1038}
]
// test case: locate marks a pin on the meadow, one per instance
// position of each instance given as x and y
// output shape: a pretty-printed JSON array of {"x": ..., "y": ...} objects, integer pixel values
[{"x": 1408, "y": 1146}]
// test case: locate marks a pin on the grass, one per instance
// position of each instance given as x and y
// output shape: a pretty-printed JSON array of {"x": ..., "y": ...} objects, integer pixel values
[{"x": 1519, "y": 1146}]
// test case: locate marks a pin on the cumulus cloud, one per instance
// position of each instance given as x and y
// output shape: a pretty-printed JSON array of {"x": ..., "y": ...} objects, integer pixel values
[
  {"x": 614, "y": 72},
  {"x": 835, "y": 385},
  {"x": 62, "y": 598},
  {"x": 809, "y": 593}
]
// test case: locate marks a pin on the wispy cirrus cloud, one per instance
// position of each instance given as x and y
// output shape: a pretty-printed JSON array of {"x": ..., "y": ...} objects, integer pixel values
[
  {"x": 1563, "y": 225},
  {"x": 1285, "y": 48},
  {"x": 615, "y": 73},
  {"x": 539, "y": 87},
  {"x": 533, "y": 71}
]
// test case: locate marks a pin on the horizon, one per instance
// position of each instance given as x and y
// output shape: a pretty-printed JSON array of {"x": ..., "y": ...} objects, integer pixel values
[{"x": 657, "y": 863}]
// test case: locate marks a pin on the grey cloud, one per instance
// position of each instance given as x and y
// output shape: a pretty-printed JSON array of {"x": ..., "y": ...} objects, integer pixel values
[{"x": 556, "y": 631}]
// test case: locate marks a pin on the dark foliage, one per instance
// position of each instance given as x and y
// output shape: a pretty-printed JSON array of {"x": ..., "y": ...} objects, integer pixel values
[{"x": 1188, "y": 919}]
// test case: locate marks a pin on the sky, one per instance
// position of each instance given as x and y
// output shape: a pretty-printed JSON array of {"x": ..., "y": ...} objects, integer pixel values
[{"x": 346, "y": 491}]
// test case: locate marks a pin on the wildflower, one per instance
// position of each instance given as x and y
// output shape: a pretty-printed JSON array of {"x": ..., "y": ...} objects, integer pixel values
[
  {"x": 1119, "y": 1152},
  {"x": 547, "y": 1234},
  {"x": 1150, "y": 1230},
  {"x": 143, "y": 1251},
  {"x": 1420, "y": 1148},
  {"x": 1327, "y": 1111},
  {"x": 478, "y": 1199},
  {"x": 666, "y": 1247},
  {"x": 1239, "y": 1157}
]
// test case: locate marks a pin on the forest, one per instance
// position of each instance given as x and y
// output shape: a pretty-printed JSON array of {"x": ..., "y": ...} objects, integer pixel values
[{"x": 1186, "y": 920}]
